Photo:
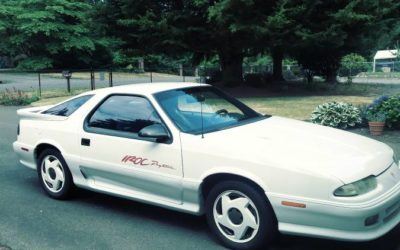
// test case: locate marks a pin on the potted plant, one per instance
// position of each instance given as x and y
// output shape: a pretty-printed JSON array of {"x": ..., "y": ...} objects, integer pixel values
[{"x": 376, "y": 122}]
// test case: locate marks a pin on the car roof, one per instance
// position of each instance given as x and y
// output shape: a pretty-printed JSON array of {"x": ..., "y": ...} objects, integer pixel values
[{"x": 146, "y": 88}]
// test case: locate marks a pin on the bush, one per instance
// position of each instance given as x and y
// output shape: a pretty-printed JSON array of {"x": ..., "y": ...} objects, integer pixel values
[
  {"x": 17, "y": 97},
  {"x": 351, "y": 65},
  {"x": 336, "y": 115},
  {"x": 389, "y": 106}
]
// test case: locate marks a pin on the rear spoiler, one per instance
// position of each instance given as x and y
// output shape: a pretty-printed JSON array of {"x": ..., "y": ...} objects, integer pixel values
[{"x": 35, "y": 114}]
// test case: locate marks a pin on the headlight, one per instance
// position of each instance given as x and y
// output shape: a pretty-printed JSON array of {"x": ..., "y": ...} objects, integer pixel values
[{"x": 357, "y": 188}]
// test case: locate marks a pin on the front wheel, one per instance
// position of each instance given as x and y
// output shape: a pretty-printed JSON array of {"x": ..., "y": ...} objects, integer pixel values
[
  {"x": 240, "y": 215},
  {"x": 54, "y": 174}
]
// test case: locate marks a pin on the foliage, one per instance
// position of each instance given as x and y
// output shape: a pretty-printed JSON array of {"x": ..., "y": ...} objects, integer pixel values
[
  {"x": 376, "y": 117},
  {"x": 331, "y": 29},
  {"x": 17, "y": 97},
  {"x": 389, "y": 106},
  {"x": 351, "y": 65},
  {"x": 259, "y": 59},
  {"x": 337, "y": 115},
  {"x": 49, "y": 33},
  {"x": 38, "y": 34}
]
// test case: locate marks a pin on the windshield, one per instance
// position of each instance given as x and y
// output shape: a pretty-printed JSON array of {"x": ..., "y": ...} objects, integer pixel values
[{"x": 192, "y": 109}]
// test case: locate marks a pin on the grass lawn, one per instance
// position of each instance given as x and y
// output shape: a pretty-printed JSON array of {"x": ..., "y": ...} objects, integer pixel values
[{"x": 298, "y": 107}]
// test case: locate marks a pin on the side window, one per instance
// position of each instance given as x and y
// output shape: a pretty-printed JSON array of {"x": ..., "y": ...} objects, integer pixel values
[
  {"x": 68, "y": 107},
  {"x": 124, "y": 113}
]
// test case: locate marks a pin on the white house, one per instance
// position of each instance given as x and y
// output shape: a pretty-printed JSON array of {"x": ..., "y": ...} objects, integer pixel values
[{"x": 384, "y": 56}]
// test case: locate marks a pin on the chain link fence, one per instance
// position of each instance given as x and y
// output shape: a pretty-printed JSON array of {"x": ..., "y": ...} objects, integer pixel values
[{"x": 70, "y": 80}]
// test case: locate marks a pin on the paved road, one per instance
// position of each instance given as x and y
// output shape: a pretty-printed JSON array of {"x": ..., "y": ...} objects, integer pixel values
[{"x": 31, "y": 220}]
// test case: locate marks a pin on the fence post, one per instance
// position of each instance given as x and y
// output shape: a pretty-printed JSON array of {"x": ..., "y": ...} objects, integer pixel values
[
  {"x": 183, "y": 75},
  {"x": 110, "y": 78},
  {"x": 92, "y": 81},
  {"x": 181, "y": 69},
  {"x": 40, "y": 85},
  {"x": 151, "y": 76},
  {"x": 141, "y": 65},
  {"x": 68, "y": 85}
]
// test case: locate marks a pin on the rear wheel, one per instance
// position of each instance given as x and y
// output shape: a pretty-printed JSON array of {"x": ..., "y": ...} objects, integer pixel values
[
  {"x": 240, "y": 215},
  {"x": 54, "y": 174}
]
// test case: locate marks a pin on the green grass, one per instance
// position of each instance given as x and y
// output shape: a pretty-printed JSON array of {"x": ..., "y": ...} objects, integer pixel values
[{"x": 297, "y": 107}]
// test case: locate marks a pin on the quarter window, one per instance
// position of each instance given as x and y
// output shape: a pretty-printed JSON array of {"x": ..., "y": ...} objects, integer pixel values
[
  {"x": 68, "y": 107},
  {"x": 124, "y": 113}
]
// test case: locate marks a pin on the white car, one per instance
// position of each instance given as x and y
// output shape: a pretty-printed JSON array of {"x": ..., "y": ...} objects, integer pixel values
[{"x": 192, "y": 148}]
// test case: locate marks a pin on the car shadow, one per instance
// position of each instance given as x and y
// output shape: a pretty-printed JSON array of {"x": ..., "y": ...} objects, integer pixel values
[
  {"x": 197, "y": 224},
  {"x": 391, "y": 241}
]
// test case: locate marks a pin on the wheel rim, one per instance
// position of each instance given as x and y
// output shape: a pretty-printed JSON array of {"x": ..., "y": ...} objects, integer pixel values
[
  {"x": 236, "y": 216},
  {"x": 52, "y": 173}
]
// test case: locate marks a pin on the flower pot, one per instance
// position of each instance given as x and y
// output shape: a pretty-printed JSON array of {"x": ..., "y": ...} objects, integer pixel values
[{"x": 376, "y": 128}]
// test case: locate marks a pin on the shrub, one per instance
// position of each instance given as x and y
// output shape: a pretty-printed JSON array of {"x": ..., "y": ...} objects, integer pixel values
[
  {"x": 389, "y": 106},
  {"x": 337, "y": 115},
  {"x": 376, "y": 117},
  {"x": 17, "y": 97},
  {"x": 351, "y": 65}
]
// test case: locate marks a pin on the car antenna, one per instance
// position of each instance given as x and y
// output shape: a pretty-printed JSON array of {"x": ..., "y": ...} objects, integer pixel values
[{"x": 201, "y": 99}]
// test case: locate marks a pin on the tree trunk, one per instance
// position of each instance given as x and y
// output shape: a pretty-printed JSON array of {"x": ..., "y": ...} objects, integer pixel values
[
  {"x": 331, "y": 77},
  {"x": 277, "y": 58},
  {"x": 231, "y": 60},
  {"x": 330, "y": 68}
]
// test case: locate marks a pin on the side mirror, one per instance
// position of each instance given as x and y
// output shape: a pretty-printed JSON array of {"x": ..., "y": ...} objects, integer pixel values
[{"x": 155, "y": 131}]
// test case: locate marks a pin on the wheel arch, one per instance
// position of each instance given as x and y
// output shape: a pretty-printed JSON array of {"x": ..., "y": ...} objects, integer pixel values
[
  {"x": 212, "y": 179},
  {"x": 40, "y": 147},
  {"x": 225, "y": 173}
]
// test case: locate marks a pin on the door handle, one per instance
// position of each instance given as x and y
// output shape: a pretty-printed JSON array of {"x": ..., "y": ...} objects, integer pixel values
[{"x": 85, "y": 142}]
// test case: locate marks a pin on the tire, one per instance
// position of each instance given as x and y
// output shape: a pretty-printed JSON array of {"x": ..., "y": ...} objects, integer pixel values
[
  {"x": 240, "y": 216},
  {"x": 54, "y": 175}
]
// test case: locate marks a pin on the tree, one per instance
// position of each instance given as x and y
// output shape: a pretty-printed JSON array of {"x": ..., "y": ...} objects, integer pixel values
[
  {"x": 7, "y": 27},
  {"x": 332, "y": 29},
  {"x": 49, "y": 33},
  {"x": 228, "y": 28},
  {"x": 279, "y": 32}
]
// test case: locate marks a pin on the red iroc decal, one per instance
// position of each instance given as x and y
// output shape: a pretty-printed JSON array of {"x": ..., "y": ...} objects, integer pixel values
[{"x": 141, "y": 161}]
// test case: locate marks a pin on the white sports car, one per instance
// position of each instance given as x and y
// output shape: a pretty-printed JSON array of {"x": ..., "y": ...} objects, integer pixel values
[{"x": 192, "y": 148}]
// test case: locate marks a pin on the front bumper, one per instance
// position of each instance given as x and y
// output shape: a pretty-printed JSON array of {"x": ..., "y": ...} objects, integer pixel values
[{"x": 338, "y": 220}]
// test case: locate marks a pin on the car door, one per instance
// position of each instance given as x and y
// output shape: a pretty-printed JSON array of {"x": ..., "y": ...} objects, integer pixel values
[{"x": 116, "y": 159}]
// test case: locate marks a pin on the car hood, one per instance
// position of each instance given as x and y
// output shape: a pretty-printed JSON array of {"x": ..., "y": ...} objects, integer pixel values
[{"x": 308, "y": 147}]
